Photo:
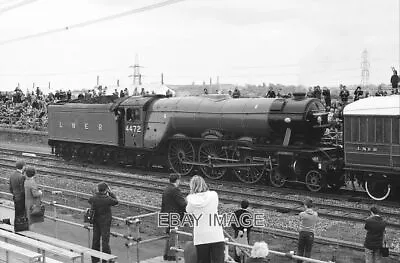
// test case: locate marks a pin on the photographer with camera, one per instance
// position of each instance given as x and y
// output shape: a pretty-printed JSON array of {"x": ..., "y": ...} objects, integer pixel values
[
  {"x": 358, "y": 93},
  {"x": 101, "y": 203}
]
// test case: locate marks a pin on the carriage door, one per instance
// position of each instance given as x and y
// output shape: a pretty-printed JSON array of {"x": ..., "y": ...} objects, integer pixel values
[{"x": 134, "y": 128}]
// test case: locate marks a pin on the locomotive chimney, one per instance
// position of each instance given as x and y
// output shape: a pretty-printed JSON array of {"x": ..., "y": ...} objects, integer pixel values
[{"x": 299, "y": 95}]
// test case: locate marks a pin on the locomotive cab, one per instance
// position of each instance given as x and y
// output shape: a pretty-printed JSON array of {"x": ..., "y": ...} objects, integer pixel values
[{"x": 134, "y": 127}]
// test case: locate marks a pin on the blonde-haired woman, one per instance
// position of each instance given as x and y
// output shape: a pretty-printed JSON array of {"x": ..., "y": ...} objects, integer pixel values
[
  {"x": 208, "y": 235},
  {"x": 259, "y": 253}
]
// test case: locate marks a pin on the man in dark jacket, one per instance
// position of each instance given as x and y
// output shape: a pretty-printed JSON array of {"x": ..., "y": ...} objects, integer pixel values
[
  {"x": 101, "y": 203},
  {"x": 375, "y": 227},
  {"x": 344, "y": 94},
  {"x": 17, "y": 189},
  {"x": 172, "y": 202},
  {"x": 327, "y": 96},
  {"x": 395, "y": 81},
  {"x": 244, "y": 218}
]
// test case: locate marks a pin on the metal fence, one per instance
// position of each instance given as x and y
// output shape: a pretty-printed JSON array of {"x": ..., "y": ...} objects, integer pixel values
[{"x": 133, "y": 235}]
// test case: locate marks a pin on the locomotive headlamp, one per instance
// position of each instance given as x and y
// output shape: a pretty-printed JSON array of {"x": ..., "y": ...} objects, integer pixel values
[{"x": 288, "y": 120}]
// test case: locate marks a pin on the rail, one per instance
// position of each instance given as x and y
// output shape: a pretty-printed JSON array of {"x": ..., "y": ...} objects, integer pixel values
[{"x": 133, "y": 237}]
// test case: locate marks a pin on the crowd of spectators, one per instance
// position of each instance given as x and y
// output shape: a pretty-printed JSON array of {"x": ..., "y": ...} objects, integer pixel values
[
  {"x": 24, "y": 110},
  {"x": 29, "y": 110}
]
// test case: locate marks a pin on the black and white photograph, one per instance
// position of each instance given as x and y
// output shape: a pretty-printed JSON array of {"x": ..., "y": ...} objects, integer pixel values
[{"x": 200, "y": 131}]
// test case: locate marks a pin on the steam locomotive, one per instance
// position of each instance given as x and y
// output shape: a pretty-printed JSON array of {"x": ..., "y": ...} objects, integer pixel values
[{"x": 252, "y": 138}]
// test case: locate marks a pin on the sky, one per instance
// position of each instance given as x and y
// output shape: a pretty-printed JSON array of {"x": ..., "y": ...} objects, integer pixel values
[{"x": 292, "y": 42}]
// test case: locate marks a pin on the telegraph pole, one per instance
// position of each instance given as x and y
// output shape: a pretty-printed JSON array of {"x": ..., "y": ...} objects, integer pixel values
[{"x": 364, "y": 69}]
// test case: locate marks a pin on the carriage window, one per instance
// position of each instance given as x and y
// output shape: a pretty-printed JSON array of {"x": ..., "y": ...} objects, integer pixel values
[
  {"x": 347, "y": 130},
  {"x": 380, "y": 129},
  {"x": 129, "y": 115},
  {"x": 395, "y": 130},
  {"x": 387, "y": 128},
  {"x": 371, "y": 129},
  {"x": 363, "y": 129},
  {"x": 355, "y": 129}
]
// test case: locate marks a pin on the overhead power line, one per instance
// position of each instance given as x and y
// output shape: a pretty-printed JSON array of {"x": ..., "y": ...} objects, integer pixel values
[
  {"x": 22, "y": 3},
  {"x": 93, "y": 21},
  {"x": 5, "y": 2}
]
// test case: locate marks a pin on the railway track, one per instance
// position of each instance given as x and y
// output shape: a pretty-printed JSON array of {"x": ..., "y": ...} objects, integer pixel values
[
  {"x": 228, "y": 193},
  {"x": 340, "y": 195}
]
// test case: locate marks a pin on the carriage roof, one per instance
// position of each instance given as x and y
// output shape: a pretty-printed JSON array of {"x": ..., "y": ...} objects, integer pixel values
[{"x": 383, "y": 106}]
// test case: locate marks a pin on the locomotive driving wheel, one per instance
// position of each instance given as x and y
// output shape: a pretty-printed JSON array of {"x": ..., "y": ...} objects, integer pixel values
[
  {"x": 314, "y": 180},
  {"x": 207, "y": 151},
  {"x": 377, "y": 190},
  {"x": 276, "y": 178},
  {"x": 181, "y": 151},
  {"x": 250, "y": 174}
]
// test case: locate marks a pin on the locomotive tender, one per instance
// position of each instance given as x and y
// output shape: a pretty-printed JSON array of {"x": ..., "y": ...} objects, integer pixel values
[{"x": 253, "y": 138}]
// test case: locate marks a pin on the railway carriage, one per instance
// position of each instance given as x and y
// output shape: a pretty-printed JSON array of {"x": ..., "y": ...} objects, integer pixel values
[
  {"x": 254, "y": 138},
  {"x": 372, "y": 143}
]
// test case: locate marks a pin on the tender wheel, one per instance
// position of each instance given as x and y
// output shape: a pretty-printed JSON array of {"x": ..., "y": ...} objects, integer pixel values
[
  {"x": 276, "y": 178},
  {"x": 210, "y": 149},
  {"x": 179, "y": 152},
  {"x": 377, "y": 190},
  {"x": 314, "y": 181},
  {"x": 66, "y": 152},
  {"x": 248, "y": 175}
]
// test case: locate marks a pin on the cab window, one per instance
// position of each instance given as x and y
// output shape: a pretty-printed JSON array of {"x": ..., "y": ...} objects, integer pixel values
[
  {"x": 136, "y": 114},
  {"x": 129, "y": 115},
  {"x": 133, "y": 114}
]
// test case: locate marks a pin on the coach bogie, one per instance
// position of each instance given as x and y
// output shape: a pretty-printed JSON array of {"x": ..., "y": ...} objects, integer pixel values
[{"x": 377, "y": 186}]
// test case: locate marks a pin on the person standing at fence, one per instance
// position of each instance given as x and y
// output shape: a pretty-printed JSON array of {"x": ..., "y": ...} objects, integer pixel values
[
  {"x": 172, "y": 202},
  {"x": 32, "y": 196},
  {"x": 375, "y": 226},
  {"x": 208, "y": 235},
  {"x": 306, "y": 236},
  {"x": 242, "y": 226},
  {"x": 17, "y": 180},
  {"x": 101, "y": 202}
]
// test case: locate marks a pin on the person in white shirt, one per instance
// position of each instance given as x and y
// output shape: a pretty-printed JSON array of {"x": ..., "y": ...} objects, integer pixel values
[{"x": 208, "y": 236}]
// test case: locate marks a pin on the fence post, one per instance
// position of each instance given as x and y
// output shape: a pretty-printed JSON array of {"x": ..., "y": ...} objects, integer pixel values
[
  {"x": 88, "y": 228},
  {"x": 138, "y": 238},
  {"x": 226, "y": 249},
  {"x": 53, "y": 193},
  {"x": 176, "y": 243}
]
